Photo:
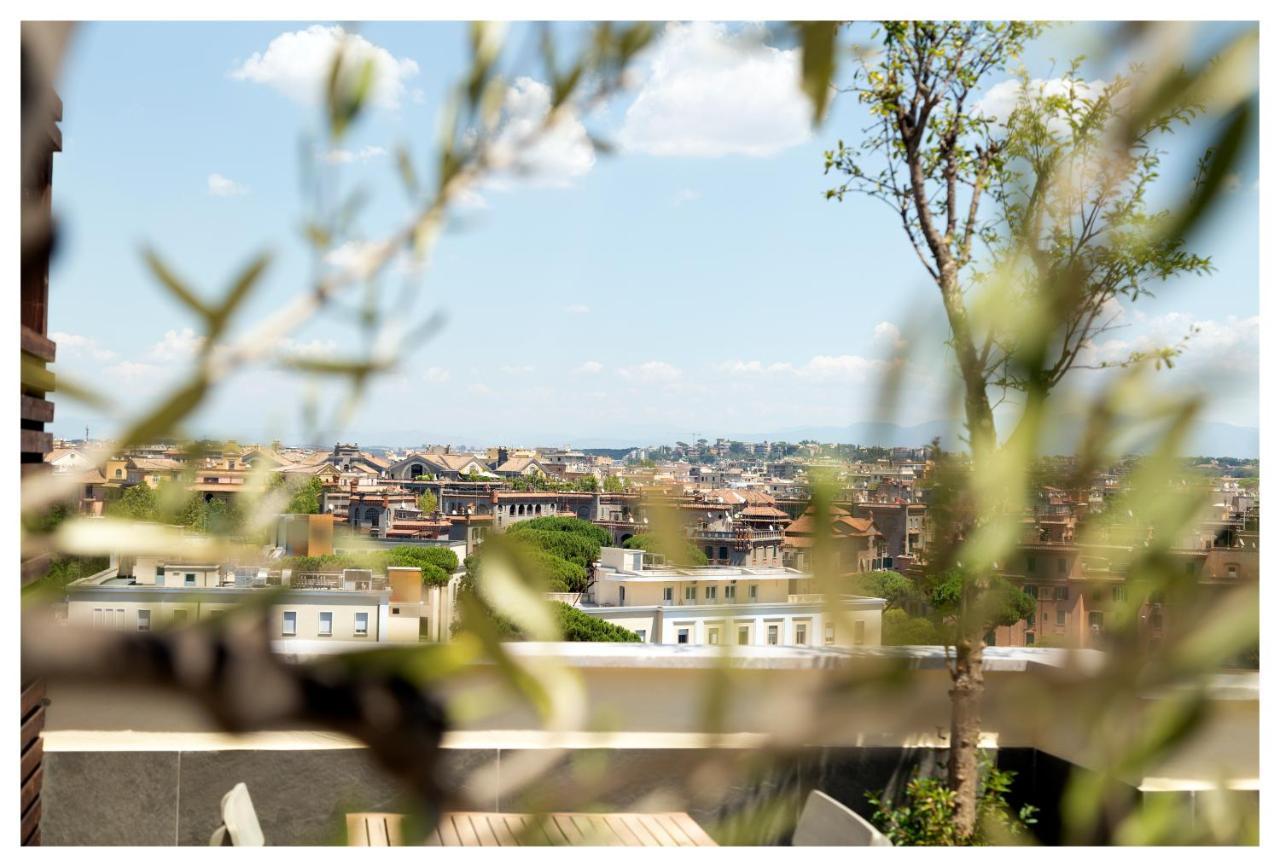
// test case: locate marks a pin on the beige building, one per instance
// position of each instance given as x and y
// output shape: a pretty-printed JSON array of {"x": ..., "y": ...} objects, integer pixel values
[
  {"x": 349, "y": 606},
  {"x": 724, "y": 605}
]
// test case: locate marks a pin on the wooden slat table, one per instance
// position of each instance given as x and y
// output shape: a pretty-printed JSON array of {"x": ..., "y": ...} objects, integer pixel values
[{"x": 523, "y": 829}]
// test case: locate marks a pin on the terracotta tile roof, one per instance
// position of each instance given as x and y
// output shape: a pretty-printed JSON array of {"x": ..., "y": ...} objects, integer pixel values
[{"x": 153, "y": 464}]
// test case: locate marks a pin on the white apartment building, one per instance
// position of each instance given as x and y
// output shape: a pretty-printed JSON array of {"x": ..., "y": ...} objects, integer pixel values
[
  {"x": 724, "y": 605},
  {"x": 351, "y": 606}
]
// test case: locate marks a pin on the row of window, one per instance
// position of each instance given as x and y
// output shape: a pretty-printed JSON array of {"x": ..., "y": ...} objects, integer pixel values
[
  {"x": 1119, "y": 593},
  {"x": 289, "y": 624},
  {"x": 773, "y": 633},
  {"x": 114, "y": 618}
]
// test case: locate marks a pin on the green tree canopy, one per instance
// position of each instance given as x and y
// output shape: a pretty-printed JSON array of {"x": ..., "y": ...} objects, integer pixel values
[{"x": 684, "y": 554}]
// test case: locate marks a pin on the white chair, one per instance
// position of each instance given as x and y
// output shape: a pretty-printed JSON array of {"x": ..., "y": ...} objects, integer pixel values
[
  {"x": 239, "y": 821},
  {"x": 824, "y": 821}
]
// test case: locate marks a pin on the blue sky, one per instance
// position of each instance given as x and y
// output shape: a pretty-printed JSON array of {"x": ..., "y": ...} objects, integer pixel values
[{"x": 696, "y": 281}]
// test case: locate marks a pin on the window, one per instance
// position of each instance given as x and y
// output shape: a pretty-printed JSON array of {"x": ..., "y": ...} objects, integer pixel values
[
  {"x": 1062, "y": 565},
  {"x": 682, "y": 636},
  {"x": 1031, "y": 565},
  {"x": 1062, "y": 618},
  {"x": 144, "y": 620},
  {"x": 802, "y": 633},
  {"x": 773, "y": 633},
  {"x": 711, "y": 594},
  {"x": 180, "y": 616},
  {"x": 189, "y": 579},
  {"x": 713, "y": 635},
  {"x": 290, "y": 624},
  {"x": 1232, "y": 570},
  {"x": 1030, "y": 638},
  {"x": 859, "y": 632},
  {"x": 1046, "y": 593},
  {"x": 622, "y": 595},
  {"x": 744, "y": 634},
  {"x": 362, "y": 624},
  {"x": 710, "y": 554},
  {"x": 668, "y": 594},
  {"x": 1095, "y": 620},
  {"x": 326, "y": 623},
  {"x": 97, "y": 617},
  {"x": 1119, "y": 594},
  {"x": 754, "y": 592},
  {"x": 1030, "y": 590},
  {"x": 730, "y": 592},
  {"x": 691, "y": 593},
  {"x": 640, "y": 633},
  {"x": 1060, "y": 594},
  {"x": 829, "y": 634},
  {"x": 724, "y": 553}
]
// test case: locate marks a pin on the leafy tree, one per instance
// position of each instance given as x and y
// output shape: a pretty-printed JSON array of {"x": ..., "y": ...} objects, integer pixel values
[
  {"x": 896, "y": 589},
  {"x": 136, "y": 503},
  {"x": 1056, "y": 194},
  {"x": 899, "y": 627},
  {"x": 613, "y": 485},
  {"x": 443, "y": 559},
  {"x": 428, "y": 503},
  {"x": 576, "y": 526},
  {"x": 570, "y": 546},
  {"x": 306, "y": 498},
  {"x": 686, "y": 554},
  {"x": 576, "y": 625}
]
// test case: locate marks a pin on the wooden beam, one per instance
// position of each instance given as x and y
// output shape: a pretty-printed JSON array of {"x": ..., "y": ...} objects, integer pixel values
[
  {"x": 36, "y": 409},
  {"x": 37, "y": 441},
  {"x": 34, "y": 343}
]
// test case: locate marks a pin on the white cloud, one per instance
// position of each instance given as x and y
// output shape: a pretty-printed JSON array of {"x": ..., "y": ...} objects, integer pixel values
[
  {"x": 591, "y": 368},
  {"x": 177, "y": 345},
  {"x": 1213, "y": 348},
  {"x": 224, "y": 186},
  {"x": 651, "y": 372},
  {"x": 436, "y": 375},
  {"x": 317, "y": 348},
  {"x": 479, "y": 389},
  {"x": 556, "y": 156},
  {"x": 709, "y": 92},
  {"x": 338, "y": 156},
  {"x": 577, "y": 309},
  {"x": 516, "y": 369},
  {"x": 1000, "y": 99},
  {"x": 297, "y": 65},
  {"x": 360, "y": 257},
  {"x": 79, "y": 346},
  {"x": 888, "y": 335},
  {"x": 819, "y": 368},
  {"x": 132, "y": 370}
]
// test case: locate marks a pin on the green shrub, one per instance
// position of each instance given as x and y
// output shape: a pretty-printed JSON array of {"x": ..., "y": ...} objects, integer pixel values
[{"x": 926, "y": 815}]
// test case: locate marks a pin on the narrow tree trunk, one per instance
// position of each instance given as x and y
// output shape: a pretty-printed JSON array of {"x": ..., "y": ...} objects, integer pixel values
[{"x": 966, "y": 724}]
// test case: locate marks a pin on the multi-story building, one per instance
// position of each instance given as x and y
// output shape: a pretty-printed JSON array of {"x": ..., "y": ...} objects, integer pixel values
[
  {"x": 723, "y": 605},
  {"x": 351, "y": 605}
]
